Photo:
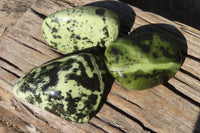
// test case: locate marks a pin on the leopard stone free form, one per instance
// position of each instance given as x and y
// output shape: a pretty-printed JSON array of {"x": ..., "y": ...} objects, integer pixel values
[
  {"x": 70, "y": 87},
  {"x": 80, "y": 28}
]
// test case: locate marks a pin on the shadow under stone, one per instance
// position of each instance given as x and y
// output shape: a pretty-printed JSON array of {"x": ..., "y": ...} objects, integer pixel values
[
  {"x": 184, "y": 11},
  {"x": 197, "y": 126}
]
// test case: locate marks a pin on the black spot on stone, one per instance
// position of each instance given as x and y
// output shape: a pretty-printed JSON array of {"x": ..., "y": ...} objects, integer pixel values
[
  {"x": 28, "y": 78},
  {"x": 91, "y": 28},
  {"x": 30, "y": 99},
  {"x": 114, "y": 51},
  {"x": 52, "y": 74},
  {"x": 48, "y": 25},
  {"x": 75, "y": 70},
  {"x": 56, "y": 108},
  {"x": 104, "y": 19},
  {"x": 83, "y": 79},
  {"x": 75, "y": 21},
  {"x": 68, "y": 29},
  {"x": 124, "y": 76},
  {"x": 73, "y": 10},
  {"x": 155, "y": 55},
  {"x": 38, "y": 98},
  {"x": 89, "y": 42},
  {"x": 166, "y": 53},
  {"x": 106, "y": 31},
  {"x": 57, "y": 36},
  {"x": 68, "y": 64},
  {"x": 54, "y": 30},
  {"x": 89, "y": 62},
  {"x": 80, "y": 116},
  {"x": 68, "y": 21},
  {"x": 84, "y": 38},
  {"x": 129, "y": 81},
  {"x": 75, "y": 47},
  {"x": 146, "y": 48},
  {"x": 140, "y": 74},
  {"x": 72, "y": 103},
  {"x": 54, "y": 43},
  {"x": 100, "y": 11},
  {"x": 78, "y": 37},
  {"x": 73, "y": 36},
  {"x": 92, "y": 99},
  {"x": 102, "y": 42}
]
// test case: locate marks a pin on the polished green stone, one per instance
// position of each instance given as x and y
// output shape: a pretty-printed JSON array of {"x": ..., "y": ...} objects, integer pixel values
[
  {"x": 143, "y": 61},
  {"x": 80, "y": 28},
  {"x": 70, "y": 87}
]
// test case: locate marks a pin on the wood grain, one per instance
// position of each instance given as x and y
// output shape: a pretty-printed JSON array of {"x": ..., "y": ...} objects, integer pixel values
[{"x": 173, "y": 107}]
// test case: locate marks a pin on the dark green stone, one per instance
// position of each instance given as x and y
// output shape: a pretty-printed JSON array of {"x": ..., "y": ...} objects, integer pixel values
[{"x": 143, "y": 61}]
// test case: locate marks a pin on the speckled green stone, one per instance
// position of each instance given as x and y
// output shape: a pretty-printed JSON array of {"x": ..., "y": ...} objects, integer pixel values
[
  {"x": 80, "y": 28},
  {"x": 144, "y": 61},
  {"x": 70, "y": 87}
]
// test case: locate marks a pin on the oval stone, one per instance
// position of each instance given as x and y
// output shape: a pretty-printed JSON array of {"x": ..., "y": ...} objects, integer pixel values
[
  {"x": 144, "y": 61},
  {"x": 80, "y": 28},
  {"x": 70, "y": 87}
]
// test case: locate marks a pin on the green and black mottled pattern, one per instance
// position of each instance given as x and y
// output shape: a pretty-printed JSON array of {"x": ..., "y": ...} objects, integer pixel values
[
  {"x": 144, "y": 61},
  {"x": 70, "y": 87},
  {"x": 80, "y": 28}
]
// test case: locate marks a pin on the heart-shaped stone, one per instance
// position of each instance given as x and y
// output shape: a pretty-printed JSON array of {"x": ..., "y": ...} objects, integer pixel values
[
  {"x": 70, "y": 87},
  {"x": 143, "y": 60}
]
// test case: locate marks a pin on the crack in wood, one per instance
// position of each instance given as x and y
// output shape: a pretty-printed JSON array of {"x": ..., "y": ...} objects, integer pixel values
[
  {"x": 131, "y": 117},
  {"x": 116, "y": 125},
  {"x": 184, "y": 83},
  {"x": 172, "y": 88},
  {"x": 96, "y": 126},
  {"x": 36, "y": 39},
  {"x": 11, "y": 64},
  {"x": 190, "y": 74},
  {"x": 2, "y": 30},
  {"x": 193, "y": 58},
  {"x": 63, "y": 3},
  {"x": 130, "y": 101},
  {"x": 70, "y": 3},
  {"x": 42, "y": 16},
  {"x": 10, "y": 72},
  {"x": 27, "y": 45}
]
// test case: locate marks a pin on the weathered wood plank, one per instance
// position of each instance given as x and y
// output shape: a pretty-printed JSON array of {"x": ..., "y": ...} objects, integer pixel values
[
  {"x": 191, "y": 66},
  {"x": 156, "y": 105},
  {"x": 189, "y": 88},
  {"x": 11, "y": 11},
  {"x": 160, "y": 109}
]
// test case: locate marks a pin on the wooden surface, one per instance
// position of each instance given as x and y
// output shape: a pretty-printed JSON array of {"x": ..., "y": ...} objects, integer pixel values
[{"x": 173, "y": 107}]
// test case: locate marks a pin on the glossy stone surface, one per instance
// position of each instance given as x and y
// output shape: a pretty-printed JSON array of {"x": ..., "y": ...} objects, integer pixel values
[
  {"x": 144, "y": 61},
  {"x": 80, "y": 28},
  {"x": 70, "y": 87}
]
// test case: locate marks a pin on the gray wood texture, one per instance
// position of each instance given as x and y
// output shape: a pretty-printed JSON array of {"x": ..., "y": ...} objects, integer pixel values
[{"x": 173, "y": 107}]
